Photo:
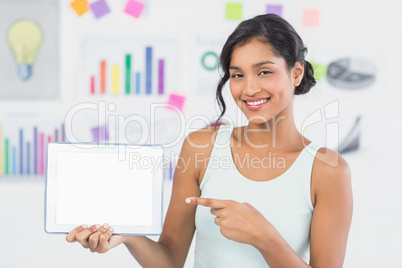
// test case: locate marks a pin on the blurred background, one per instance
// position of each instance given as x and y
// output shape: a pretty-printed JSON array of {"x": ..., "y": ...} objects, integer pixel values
[{"x": 145, "y": 71}]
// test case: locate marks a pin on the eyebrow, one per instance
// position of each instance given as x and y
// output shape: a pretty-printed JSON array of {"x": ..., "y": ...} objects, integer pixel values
[{"x": 254, "y": 66}]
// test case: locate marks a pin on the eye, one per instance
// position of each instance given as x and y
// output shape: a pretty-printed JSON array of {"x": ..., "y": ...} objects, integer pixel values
[
  {"x": 264, "y": 72},
  {"x": 237, "y": 75}
]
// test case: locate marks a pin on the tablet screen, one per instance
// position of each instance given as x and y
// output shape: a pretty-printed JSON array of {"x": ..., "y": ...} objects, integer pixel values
[{"x": 98, "y": 185}]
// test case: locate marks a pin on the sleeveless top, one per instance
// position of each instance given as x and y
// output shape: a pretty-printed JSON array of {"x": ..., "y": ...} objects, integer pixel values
[{"x": 284, "y": 201}]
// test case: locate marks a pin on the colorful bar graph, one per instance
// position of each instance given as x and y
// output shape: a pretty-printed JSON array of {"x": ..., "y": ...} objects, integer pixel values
[
  {"x": 6, "y": 156},
  {"x": 63, "y": 133},
  {"x": 26, "y": 155},
  {"x": 92, "y": 84},
  {"x": 14, "y": 155},
  {"x": 161, "y": 67},
  {"x": 136, "y": 72},
  {"x": 42, "y": 153},
  {"x": 170, "y": 170},
  {"x": 128, "y": 73},
  {"x": 21, "y": 152},
  {"x": 137, "y": 82},
  {"x": 35, "y": 157},
  {"x": 28, "y": 159},
  {"x": 115, "y": 80},
  {"x": 148, "y": 70},
  {"x": 103, "y": 77}
]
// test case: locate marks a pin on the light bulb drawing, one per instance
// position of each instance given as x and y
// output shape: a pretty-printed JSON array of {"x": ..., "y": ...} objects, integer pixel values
[{"x": 25, "y": 38}]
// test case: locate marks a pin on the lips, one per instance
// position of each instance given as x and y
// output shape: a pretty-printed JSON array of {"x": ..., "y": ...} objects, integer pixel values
[{"x": 256, "y": 104}]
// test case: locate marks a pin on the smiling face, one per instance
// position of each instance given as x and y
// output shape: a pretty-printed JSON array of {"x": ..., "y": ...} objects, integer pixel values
[{"x": 261, "y": 83}]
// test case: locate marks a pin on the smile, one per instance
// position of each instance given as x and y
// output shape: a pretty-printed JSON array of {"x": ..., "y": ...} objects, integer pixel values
[{"x": 256, "y": 104}]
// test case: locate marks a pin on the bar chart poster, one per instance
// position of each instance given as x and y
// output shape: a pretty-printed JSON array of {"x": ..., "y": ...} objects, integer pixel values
[
  {"x": 124, "y": 68},
  {"x": 23, "y": 145}
]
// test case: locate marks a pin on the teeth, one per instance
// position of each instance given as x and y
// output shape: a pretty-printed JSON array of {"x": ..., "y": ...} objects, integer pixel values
[{"x": 257, "y": 102}]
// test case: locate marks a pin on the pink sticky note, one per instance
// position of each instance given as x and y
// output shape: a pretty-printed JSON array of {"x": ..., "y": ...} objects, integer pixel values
[
  {"x": 311, "y": 17},
  {"x": 134, "y": 8},
  {"x": 176, "y": 100},
  {"x": 100, "y": 8}
]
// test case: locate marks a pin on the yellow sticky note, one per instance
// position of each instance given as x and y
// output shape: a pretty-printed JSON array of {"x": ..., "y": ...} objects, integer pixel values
[
  {"x": 80, "y": 6},
  {"x": 115, "y": 79},
  {"x": 311, "y": 17},
  {"x": 234, "y": 11}
]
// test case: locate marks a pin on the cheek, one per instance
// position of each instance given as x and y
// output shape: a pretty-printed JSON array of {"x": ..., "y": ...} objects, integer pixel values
[
  {"x": 235, "y": 89},
  {"x": 279, "y": 86}
]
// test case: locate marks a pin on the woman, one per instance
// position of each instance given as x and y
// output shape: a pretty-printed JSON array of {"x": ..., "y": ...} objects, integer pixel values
[{"x": 249, "y": 212}]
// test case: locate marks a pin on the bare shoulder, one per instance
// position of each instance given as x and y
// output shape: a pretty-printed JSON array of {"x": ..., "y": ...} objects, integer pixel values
[
  {"x": 197, "y": 148},
  {"x": 331, "y": 173},
  {"x": 333, "y": 209},
  {"x": 330, "y": 163},
  {"x": 202, "y": 138}
]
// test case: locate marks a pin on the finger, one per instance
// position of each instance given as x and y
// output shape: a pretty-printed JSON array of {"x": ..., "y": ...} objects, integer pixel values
[
  {"x": 71, "y": 235},
  {"x": 93, "y": 239},
  {"x": 82, "y": 237},
  {"x": 104, "y": 241},
  {"x": 218, "y": 221},
  {"x": 207, "y": 202},
  {"x": 217, "y": 211}
]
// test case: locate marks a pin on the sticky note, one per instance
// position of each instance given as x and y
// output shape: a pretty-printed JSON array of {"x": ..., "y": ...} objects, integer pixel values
[
  {"x": 100, "y": 133},
  {"x": 319, "y": 70},
  {"x": 80, "y": 6},
  {"x": 274, "y": 9},
  {"x": 176, "y": 100},
  {"x": 134, "y": 8},
  {"x": 233, "y": 11},
  {"x": 100, "y": 8},
  {"x": 311, "y": 17}
]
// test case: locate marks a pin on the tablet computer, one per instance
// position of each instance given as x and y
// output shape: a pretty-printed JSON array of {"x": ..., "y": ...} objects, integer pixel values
[{"x": 118, "y": 184}]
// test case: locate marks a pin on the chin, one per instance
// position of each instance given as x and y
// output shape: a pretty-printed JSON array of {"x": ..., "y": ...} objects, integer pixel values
[{"x": 258, "y": 121}]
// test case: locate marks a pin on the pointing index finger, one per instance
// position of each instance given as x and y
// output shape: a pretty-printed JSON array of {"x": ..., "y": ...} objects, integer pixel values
[{"x": 206, "y": 202}]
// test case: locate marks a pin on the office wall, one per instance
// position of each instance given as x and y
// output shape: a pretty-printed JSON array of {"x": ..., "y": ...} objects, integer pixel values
[{"x": 366, "y": 33}]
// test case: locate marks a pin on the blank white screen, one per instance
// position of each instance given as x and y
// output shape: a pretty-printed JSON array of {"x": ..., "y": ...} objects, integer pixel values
[{"x": 99, "y": 188}]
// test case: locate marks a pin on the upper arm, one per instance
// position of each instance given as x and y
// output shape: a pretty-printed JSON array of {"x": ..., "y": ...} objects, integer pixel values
[
  {"x": 179, "y": 224},
  {"x": 332, "y": 212}
]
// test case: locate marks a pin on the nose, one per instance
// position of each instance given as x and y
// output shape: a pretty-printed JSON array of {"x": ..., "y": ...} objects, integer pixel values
[{"x": 252, "y": 86}]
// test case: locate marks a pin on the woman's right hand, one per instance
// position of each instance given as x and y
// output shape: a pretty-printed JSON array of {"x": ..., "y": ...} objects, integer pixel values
[{"x": 97, "y": 238}]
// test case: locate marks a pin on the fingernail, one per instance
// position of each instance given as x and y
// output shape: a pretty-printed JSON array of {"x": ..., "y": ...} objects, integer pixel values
[
  {"x": 105, "y": 226},
  {"x": 111, "y": 229},
  {"x": 188, "y": 200},
  {"x": 97, "y": 226},
  {"x": 84, "y": 226}
]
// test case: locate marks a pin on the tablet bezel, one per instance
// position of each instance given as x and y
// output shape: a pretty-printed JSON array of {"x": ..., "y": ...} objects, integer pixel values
[{"x": 50, "y": 224}]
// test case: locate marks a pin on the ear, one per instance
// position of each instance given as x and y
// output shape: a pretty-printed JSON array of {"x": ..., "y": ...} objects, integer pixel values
[{"x": 298, "y": 73}]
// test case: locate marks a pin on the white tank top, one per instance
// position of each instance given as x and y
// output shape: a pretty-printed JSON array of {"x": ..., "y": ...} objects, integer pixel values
[{"x": 284, "y": 201}]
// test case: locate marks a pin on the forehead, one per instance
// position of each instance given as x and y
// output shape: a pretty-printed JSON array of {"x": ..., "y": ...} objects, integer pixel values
[{"x": 253, "y": 51}]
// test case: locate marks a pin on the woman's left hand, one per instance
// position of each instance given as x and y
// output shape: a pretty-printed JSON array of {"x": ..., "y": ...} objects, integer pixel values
[{"x": 240, "y": 222}]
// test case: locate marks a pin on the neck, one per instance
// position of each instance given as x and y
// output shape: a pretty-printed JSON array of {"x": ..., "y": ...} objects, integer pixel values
[{"x": 278, "y": 133}]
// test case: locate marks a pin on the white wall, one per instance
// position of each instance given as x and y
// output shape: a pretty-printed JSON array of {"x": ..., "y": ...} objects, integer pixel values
[{"x": 369, "y": 29}]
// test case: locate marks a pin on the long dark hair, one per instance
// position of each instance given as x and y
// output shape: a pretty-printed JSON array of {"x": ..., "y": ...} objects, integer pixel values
[{"x": 280, "y": 35}]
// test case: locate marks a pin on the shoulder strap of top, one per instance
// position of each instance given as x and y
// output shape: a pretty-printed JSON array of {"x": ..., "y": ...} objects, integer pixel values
[
  {"x": 308, "y": 163},
  {"x": 223, "y": 136}
]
